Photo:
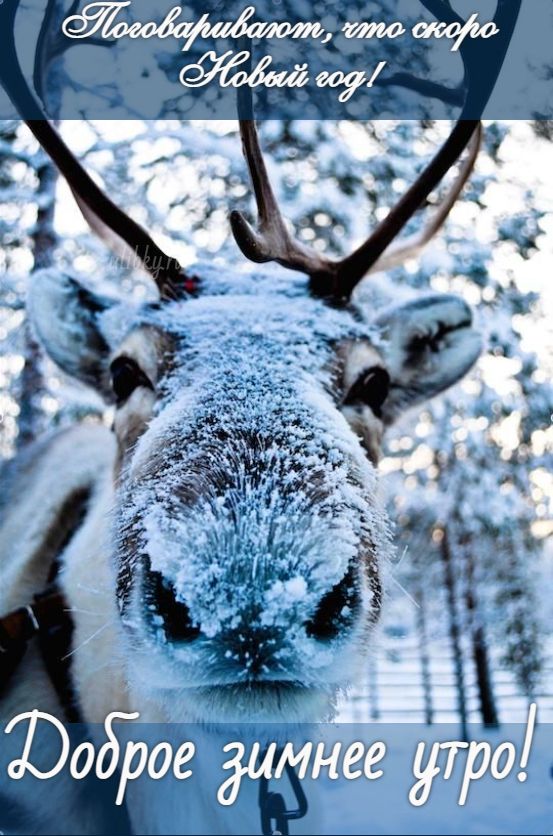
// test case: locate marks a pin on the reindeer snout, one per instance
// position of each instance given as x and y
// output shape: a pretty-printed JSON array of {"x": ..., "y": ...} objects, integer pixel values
[
  {"x": 258, "y": 634},
  {"x": 336, "y": 610}
]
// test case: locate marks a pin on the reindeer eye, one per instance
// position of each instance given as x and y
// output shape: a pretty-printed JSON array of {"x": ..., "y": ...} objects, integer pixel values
[
  {"x": 126, "y": 376},
  {"x": 370, "y": 389}
]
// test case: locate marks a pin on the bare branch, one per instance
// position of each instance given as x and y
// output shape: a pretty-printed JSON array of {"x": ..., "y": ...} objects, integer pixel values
[
  {"x": 442, "y": 11},
  {"x": 51, "y": 45},
  {"x": 430, "y": 89}
]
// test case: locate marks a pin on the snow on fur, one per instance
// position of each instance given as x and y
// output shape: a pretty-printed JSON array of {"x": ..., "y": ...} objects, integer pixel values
[{"x": 249, "y": 491}]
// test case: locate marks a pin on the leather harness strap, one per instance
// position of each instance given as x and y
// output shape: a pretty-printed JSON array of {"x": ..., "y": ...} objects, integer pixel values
[
  {"x": 49, "y": 620},
  {"x": 21, "y": 625},
  {"x": 48, "y": 617}
]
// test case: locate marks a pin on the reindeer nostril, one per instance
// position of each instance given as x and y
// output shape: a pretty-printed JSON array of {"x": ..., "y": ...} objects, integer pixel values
[
  {"x": 336, "y": 609},
  {"x": 177, "y": 623}
]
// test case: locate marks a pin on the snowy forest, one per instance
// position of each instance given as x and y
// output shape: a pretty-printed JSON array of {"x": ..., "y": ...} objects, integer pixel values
[
  {"x": 466, "y": 630},
  {"x": 468, "y": 613}
]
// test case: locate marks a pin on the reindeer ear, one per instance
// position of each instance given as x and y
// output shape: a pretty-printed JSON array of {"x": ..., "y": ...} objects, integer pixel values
[
  {"x": 427, "y": 346},
  {"x": 65, "y": 315}
]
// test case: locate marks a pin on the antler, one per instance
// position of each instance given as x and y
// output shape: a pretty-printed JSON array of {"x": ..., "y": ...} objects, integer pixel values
[
  {"x": 336, "y": 279},
  {"x": 396, "y": 254},
  {"x": 271, "y": 241},
  {"x": 124, "y": 235}
]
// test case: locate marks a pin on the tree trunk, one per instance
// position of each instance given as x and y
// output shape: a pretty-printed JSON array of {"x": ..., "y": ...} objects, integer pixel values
[
  {"x": 373, "y": 688},
  {"x": 480, "y": 655},
  {"x": 454, "y": 631},
  {"x": 424, "y": 657},
  {"x": 488, "y": 708},
  {"x": 43, "y": 243}
]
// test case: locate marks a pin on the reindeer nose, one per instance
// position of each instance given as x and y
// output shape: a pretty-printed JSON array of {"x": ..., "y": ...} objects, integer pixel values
[
  {"x": 177, "y": 623},
  {"x": 334, "y": 614},
  {"x": 336, "y": 610}
]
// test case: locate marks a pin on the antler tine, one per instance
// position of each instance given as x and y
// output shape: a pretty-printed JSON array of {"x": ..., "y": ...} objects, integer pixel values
[
  {"x": 96, "y": 206},
  {"x": 271, "y": 241},
  {"x": 365, "y": 259},
  {"x": 395, "y": 255},
  {"x": 355, "y": 267},
  {"x": 103, "y": 215}
]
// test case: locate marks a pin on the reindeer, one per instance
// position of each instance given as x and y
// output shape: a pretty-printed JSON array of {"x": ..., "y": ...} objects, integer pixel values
[{"x": 218, "y": 554}]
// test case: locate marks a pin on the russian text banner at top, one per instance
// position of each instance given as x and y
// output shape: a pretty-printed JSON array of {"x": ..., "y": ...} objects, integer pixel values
[{"x": 129, "y": 59}]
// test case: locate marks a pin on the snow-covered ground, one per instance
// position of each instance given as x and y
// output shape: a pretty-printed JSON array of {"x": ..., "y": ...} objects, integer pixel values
[
  {"x": 392, "y": 689},
  {"x": 498, "y": 807},
  {"x": 392, "y": 696}
]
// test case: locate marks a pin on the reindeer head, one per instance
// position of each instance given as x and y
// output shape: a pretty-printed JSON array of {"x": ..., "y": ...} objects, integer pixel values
[{"x": 247, "y": 539}]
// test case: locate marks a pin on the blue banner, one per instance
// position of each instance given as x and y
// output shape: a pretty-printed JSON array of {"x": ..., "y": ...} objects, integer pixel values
[
  {"x": 322, "y": 778},
  {"x": 148, "y": 59}
]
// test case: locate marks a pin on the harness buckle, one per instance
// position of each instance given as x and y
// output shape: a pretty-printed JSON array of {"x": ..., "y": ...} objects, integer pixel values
[
  {"x": 32, "y": 618},
  {"x": 272, "y": 806}
]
